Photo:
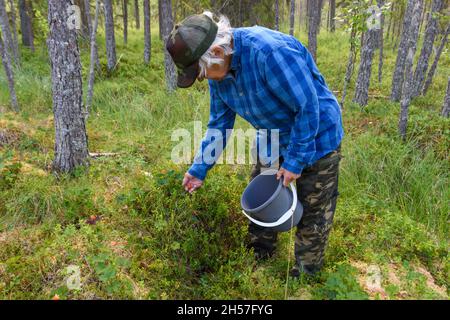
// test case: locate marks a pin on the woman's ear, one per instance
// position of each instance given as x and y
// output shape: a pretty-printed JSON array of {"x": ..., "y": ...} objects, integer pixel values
[{"x": 218, "y": 52}]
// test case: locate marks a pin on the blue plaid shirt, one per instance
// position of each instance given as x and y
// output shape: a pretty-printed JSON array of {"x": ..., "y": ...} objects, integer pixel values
[{"x": 275, "y": 84}]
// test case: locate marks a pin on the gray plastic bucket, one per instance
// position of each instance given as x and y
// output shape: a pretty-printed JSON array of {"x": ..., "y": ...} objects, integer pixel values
[{"x": 267, "y": 203}]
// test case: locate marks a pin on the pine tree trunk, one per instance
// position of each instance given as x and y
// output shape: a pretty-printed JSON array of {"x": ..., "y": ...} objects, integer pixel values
[
  {"x": 87, "y": 12},
  {"x": 399, "y": 72},
  {"x": 277, "y": 15},
  {"x": 427, "y": 48},
  {"x": 147, "y": 32},
  {"x": 314, "y": 20},
  {"x": 167, "y": 26},
  {"x": 136, "y": 14},
  {"x": 110, "y": 37},
  {"x": 371, "y": 39},
  {"x": 409, "y": 63},
  {"x": 9, "y": 75},
  {"x": 332, "y": 15},
  {"x": 125, "y": 21},
  {"x": 433, "y": 68},
  {"x": 14, "y": 25},
  {"x": 93, "y": 60},
  {"x": 8, "y": 41},
  {"x": 292, "y": 18},
  {"x": 381, "y": 43},
  {"x": 26, "y": 24},
  {"x": 71, "y": 144},
  {"x": 350, "y": 65},
  {"x": 446, "y": 107}
]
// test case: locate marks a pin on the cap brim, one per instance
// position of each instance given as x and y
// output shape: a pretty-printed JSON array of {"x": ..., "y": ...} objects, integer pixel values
[{"x": 188, "y": 75}]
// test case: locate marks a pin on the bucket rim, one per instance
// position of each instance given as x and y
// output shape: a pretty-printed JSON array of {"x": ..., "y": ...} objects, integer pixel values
[{"x": 268, "y": 201}]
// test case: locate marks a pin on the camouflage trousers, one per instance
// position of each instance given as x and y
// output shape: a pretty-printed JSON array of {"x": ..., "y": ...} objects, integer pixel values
[{"x": 317, "y": 190}]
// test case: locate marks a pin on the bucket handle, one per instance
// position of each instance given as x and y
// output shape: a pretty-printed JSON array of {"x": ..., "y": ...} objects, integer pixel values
[{"x": 283, "y": 218}]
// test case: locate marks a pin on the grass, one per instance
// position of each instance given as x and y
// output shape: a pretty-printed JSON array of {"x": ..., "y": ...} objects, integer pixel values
[{"x": 152, "y": 241}]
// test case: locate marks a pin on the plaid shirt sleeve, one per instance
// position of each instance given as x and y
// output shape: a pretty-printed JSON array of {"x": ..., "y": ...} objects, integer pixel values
[
  {"x": 221, "y": 118},
  {"x": 289, "y": 78}
]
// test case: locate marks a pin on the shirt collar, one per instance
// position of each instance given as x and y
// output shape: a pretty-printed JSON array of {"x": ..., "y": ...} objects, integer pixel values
[{"x": 236, "y": 59}]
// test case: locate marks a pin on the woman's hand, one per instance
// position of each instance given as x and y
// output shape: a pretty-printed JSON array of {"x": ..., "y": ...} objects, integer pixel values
[
  {"x": 288, "y": 176},
  {"x": 191, "y": 183}
]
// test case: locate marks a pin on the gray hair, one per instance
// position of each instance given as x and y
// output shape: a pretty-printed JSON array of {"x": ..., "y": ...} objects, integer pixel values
[{"x": 223, "y": 39}]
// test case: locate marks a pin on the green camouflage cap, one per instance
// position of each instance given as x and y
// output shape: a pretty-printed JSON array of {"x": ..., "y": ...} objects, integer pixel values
[{"x": 188, "y": 41}]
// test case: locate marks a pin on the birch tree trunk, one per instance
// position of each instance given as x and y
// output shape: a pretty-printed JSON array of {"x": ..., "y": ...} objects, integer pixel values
[
  {"x": 8, "y": 41},
  {"x": 430, "y": 34},
  {"x": 136, "y": 14},
  {"x": 277, "y": 15},
  {"x": 371, "y": 39},
  {"x": 147, "y": 32},
  {"x": 110, "y": 36},
  {"x": 9, "y": 75},
  {"x": 125, "y": 21},
  {"x": 433, "y": 68},
  {"x": 399, "y": 72},
  {"x": 71, "y": 144},
  {"x": 26, "y": 25},
  {"x": 167, "y": 26},
  {"x": 409, "y": 73},
  {"x": 13, "y": 25},
  {"x": 292, "y": 18},
  {"x": 93, "y": 60},
  {"x": 446, "y": 107}
]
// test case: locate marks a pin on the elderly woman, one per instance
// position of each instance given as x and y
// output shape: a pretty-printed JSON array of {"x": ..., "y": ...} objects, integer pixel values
[{"x": 269, "y": 79}]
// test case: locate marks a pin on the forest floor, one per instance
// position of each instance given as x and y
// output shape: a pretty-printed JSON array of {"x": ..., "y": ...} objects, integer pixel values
[{"x": 131, "y": 232}]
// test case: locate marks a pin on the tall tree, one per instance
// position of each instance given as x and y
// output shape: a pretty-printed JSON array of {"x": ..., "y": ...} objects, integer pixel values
[
  {"x": 136, "y": 14},
  {"x": 125, "y": 21},
  {"x": 313, "y": 25},
  {"x": 4, "y": 54},
  {"x": 110, "y": 36},
  {"x": 381, "y": 42},
  {"x": 399, "y": 72},
  {"x": 93, "y": 60},
  {"x": 147, "y": 32},
  {"x": 409, "y": 73},
  {"x": 446, "y": 106},
  {"x": 167, "y": 26},
  {"x": 87, "y": 12},
  {"x": 332, "y": 15},
  {"x": 6, "y": 31},
  {"x": 14, "y": 24},
  {"x": 433, "y": 67},
  {"x": 71, "y": 143},
  {"x": 26, "y": 24},
  {"x": 277, "y": 15},
  {"x": 292, "y": 18},
  {"x": 427, "y": 48}
]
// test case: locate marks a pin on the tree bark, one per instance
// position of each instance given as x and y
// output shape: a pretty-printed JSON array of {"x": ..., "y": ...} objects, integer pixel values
[
  {"x": 87, "y": 12},
  {"x": 399, "y": 72},
  {"x": 8, "y": 41},
  {"x": 381, "y": 43},
  {"x": 409, "y": 73},
  {"x": 433, "y": 68},
  {"x": 110, "y": 36},
  {"x": 26, "y": 24},
  {"x": 136, "y": 14},
  {"x": 71, "y": 143},
  {"x": 147, "y": 32},
  {"x": 313, "y": 25},
  {"x": 430, "y": 34},
  {"x": 350, "y": 64},
  {"x": 332, "y": 15},
  {"x": 93, "y": 60},
  {"x": 167, "y": 26},
  {"x": 277, "y": 15},
  {"x": 9, "y": 75},
  {"x": 125, "y": 21},
  {"x": 14, "y": 25},
  {"x": 446, "y": 107},
  {"x": 292, "y": 18},
  {"x": 365, "y": 68}
]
